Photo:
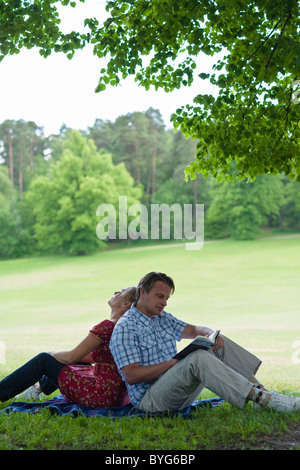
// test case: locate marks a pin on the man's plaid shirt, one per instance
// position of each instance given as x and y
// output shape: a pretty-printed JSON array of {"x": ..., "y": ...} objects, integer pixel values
[{"x": 138, "y": 338}]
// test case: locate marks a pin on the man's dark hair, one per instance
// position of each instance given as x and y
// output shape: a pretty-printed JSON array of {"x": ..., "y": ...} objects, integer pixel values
[{"x": 149, "y": 279}]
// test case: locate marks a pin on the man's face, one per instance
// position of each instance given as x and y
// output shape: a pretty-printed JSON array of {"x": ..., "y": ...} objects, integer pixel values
[{"x": 153, "y": 302}]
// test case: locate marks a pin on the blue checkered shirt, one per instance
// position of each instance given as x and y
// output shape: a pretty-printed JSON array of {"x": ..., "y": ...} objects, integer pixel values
[{"x": 138, "y": 338}]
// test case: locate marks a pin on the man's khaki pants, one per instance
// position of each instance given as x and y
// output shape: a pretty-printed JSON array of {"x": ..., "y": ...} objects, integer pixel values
[{"x": 225, "y": 373}]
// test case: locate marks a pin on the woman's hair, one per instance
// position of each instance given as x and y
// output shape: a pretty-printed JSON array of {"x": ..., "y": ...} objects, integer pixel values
[
  {"x": 131, "y": 294},
  {"x": 149, "y": 279}
]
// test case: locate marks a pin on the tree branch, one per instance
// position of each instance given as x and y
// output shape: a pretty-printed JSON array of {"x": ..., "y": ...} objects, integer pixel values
[
  {"x": 281, "y": 33},
  {"x": 266, "y": 38}
]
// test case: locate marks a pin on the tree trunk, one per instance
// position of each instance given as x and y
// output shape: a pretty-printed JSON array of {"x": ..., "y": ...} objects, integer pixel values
[
  {"x": 154, "y": 158},
  {"x": 31, "y": 157},
  {"x": 11, "y": 159},
  {"x": 21, "y": 175}
]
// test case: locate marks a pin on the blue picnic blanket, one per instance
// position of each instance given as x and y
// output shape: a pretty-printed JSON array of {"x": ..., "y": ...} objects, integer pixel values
[{"x": 60, "y": 406}]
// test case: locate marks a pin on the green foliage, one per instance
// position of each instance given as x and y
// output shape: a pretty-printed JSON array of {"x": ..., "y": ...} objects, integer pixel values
[
  {"x": 23, "y": 145},
  {"x": 12, "y": 234},
  {"x": 252, "y": 121},
  {"x": 139, "y": 140},
  {"x": 24, "y": 23},
  {"x": 63, "y": 204},
  {"x": 240, "y": 209},
  {"x": 49, "y": 200},
  {"x": 251, "y": 118}
]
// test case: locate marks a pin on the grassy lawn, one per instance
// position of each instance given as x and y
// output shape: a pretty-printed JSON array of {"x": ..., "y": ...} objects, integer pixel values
[{"x": 248, "y": 289}]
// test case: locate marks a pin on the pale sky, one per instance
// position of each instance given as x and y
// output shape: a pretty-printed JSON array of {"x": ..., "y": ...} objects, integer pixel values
[{"x": 56, "y": 91}]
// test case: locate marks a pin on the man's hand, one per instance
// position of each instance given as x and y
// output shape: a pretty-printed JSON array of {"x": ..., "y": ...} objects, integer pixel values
[
  {"x": 191, "y": 331},
  {"x": 220, "y": 344}
]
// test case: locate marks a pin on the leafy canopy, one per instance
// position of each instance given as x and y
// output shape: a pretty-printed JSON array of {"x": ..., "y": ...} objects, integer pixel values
[{"x": 249, "y": 125}]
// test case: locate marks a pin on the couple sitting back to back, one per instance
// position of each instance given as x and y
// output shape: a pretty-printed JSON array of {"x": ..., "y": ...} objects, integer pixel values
[{"x": 131, "y": 359}]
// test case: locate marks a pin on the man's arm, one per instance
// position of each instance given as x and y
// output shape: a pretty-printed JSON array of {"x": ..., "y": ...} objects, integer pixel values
[
  {"x": 134, "y": 373},
  {"x": 191, "y": 331}
]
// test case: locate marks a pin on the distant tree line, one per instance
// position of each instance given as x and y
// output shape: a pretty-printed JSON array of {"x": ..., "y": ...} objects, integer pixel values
[{"x": 51, "y": 186}]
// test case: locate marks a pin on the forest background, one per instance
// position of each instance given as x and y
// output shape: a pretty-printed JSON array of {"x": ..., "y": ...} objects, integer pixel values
[{"x": 50, "y": 187}]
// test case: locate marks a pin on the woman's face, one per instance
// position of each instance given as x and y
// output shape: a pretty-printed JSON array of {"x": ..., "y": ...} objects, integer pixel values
[{"x": 118, "y": 299}]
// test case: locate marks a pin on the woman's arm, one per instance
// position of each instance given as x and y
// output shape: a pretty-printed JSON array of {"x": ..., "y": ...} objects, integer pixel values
[{"x": 79, "y": 353}]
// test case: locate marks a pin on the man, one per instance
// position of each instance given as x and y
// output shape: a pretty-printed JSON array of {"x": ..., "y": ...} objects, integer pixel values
[{"x": 143, "y": 345}]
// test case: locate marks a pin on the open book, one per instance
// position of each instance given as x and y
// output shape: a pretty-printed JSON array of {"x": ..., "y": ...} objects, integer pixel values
[{"x": 200, "y": 342}]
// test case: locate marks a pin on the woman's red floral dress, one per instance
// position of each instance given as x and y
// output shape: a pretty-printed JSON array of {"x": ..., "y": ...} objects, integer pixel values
[{"x": 98, "y": 385}]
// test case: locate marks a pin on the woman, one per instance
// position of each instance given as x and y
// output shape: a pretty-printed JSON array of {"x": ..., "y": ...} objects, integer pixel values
[{"x": 97, "y": 384}]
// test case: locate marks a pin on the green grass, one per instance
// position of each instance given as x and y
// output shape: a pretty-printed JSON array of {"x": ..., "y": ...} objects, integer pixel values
[{"x": 248, "y": 289}]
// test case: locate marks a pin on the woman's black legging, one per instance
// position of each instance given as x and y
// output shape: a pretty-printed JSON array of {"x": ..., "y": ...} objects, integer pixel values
[{"x": 43, "y": 368}]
